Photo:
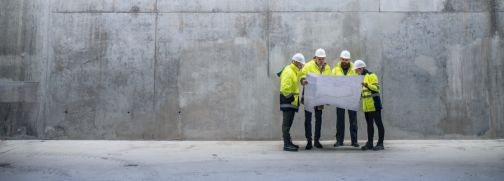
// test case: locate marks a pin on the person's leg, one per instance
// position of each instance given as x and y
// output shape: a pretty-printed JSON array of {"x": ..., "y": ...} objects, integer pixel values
[
  {"x": 308, "y": 129},
  {"x": 352, "y": 115},
  {"x": 318, "y": 127},
  {"x": 307, "y": 124},
  {"x": 288, "y": 117},
  {"x": 370, "y": 131},
  {"x": 381, "y": 129},
  {"x": 340, "y": 126}
]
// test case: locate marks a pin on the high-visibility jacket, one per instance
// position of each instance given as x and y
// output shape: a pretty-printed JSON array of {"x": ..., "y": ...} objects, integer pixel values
[
  {"x": 312, "y": 68},
  {"x": 370, "y": 95},
  {"x": 338, "y": 71},
  {"x": 289, "y": 88}
]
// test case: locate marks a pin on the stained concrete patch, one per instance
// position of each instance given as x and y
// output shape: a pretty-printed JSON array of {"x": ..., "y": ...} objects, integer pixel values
[
  {"x": 499, "y": 5},
  {"x": 5, "y": 165},
  {"x": 435, "y": 6}
]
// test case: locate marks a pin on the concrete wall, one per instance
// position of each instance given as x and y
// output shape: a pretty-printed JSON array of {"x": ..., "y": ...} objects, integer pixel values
[{"x": 205, "y": 69}]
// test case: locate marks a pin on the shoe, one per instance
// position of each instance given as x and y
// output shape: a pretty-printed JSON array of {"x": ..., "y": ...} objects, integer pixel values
[
  {"x": 288, "y": 146},
  {"x": 309, "y": 145},
  {"x": 356, "y": 145},
  {"x": 367, "y": 147},
  {"x": 378, "y": 147},
  {"x": 292, "y": 144},
  {"x": 338, "y": 144},
  {"x": 318, "y": 145}
]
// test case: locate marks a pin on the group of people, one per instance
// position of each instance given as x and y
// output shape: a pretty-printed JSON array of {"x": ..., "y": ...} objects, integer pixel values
[{"x": 294, "y": 75}]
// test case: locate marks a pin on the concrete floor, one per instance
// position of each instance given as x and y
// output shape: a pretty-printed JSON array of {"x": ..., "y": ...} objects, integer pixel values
[{"x": 248, "y": 160}]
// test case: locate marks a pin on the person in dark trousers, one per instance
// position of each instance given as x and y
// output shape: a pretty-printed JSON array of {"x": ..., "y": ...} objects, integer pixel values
[
  {"x": 344, "y": 67},
  {"x": 371, "y": 105},
  {"x": 316, "y": 66},
  {"x": 289, "y": 97}
]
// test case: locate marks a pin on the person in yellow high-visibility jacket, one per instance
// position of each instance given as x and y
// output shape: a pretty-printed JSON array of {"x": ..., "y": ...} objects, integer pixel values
[
  {"x": 316, "y": 66},
  {"x": 371, "y": 105},
  {"x": 344, "y": 67},
  {"x": 289, "y": 97}
]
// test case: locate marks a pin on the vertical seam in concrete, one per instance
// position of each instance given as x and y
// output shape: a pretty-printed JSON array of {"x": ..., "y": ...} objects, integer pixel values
[
  {"x": 20, "y": 28},
  {"x": 493, "y": 18},
  {"x": 383, "y": 63},
  {"x": 492, "y": 34},
  {"x": 491, "y": 126},
  {"x": 268, "y": 19},
  {"x": 47, "y": 70},
  {"x": 154, "y": 102},
  {"x": 379, "y": 5},
  {"x": 113, "y": 6},
  {"x": 41, "y": 84}
]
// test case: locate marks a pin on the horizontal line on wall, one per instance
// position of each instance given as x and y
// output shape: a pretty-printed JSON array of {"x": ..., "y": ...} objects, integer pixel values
[
  {"x": 259, "y": 12},
  {"x": 18, "y": 82}
]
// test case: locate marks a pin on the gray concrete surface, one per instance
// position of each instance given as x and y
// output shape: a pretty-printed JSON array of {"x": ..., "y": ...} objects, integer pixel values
[
  {"x": 205, "y": 69},
  {"x": 446, "y": 160}
]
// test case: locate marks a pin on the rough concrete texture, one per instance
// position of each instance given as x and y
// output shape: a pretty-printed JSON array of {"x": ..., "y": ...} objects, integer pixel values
[
  {"x": 249, "y": 160},
  {"x": 205, "y": 70}
]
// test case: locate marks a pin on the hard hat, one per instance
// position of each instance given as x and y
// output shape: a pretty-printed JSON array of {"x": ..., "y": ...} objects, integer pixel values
[
  {"x": 320, "y": 53},
  {"x": 345, "y": 54},
  {"x": 298, "y": 57},
  {"x": 359, "y": 64}
]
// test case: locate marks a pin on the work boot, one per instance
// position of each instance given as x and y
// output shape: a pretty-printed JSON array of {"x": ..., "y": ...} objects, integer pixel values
[
  {"x": 367, "y": 147},
  {"x": 317, "y": 144},
  {"x": 355, "y": 144},
  {"x": 292, "y": 144},
  {"x": 338, "y": 144},
  {"x": 288, "y": 146},
  {"x": 379, "y": 146},
  {"x": 309, "y": 145}
]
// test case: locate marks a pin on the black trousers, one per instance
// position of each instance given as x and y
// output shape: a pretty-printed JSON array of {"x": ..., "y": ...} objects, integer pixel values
[
  {"x": 375, "y": 117},
  {"x": 288, "y": 118},
  {"x": 308, "y": 125},
  {"x": 340, "y": 125}
]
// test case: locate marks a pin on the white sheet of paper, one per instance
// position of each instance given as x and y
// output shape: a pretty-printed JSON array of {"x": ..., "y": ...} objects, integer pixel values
[{"x": 340, "y": 91}]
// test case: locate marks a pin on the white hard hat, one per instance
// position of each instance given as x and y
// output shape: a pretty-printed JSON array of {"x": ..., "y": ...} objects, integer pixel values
[
  {"x": 359, "y": 64},
  {"x": 345, "y": 54},
  {"x": 298, "y": 57},
  {"x": 320, "y": 53}
]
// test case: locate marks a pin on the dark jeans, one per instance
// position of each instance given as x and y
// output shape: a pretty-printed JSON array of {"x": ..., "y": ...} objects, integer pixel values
[
  {"x": 340, "y": 125},
  {"x": 308, "y": 125},
  {"x": 288, "y": 117},
  {"x": 375, "y": 117}
]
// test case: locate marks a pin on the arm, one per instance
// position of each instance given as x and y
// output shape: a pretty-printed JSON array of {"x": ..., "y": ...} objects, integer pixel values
[
  {"x": 302, "y": 76},
  {"x": 285, "y": 84},
  {"x": 374, "y": 84}
]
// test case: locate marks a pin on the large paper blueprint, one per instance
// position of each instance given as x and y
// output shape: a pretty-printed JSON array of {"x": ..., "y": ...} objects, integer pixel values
[{"x": 341, "y": 91}]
